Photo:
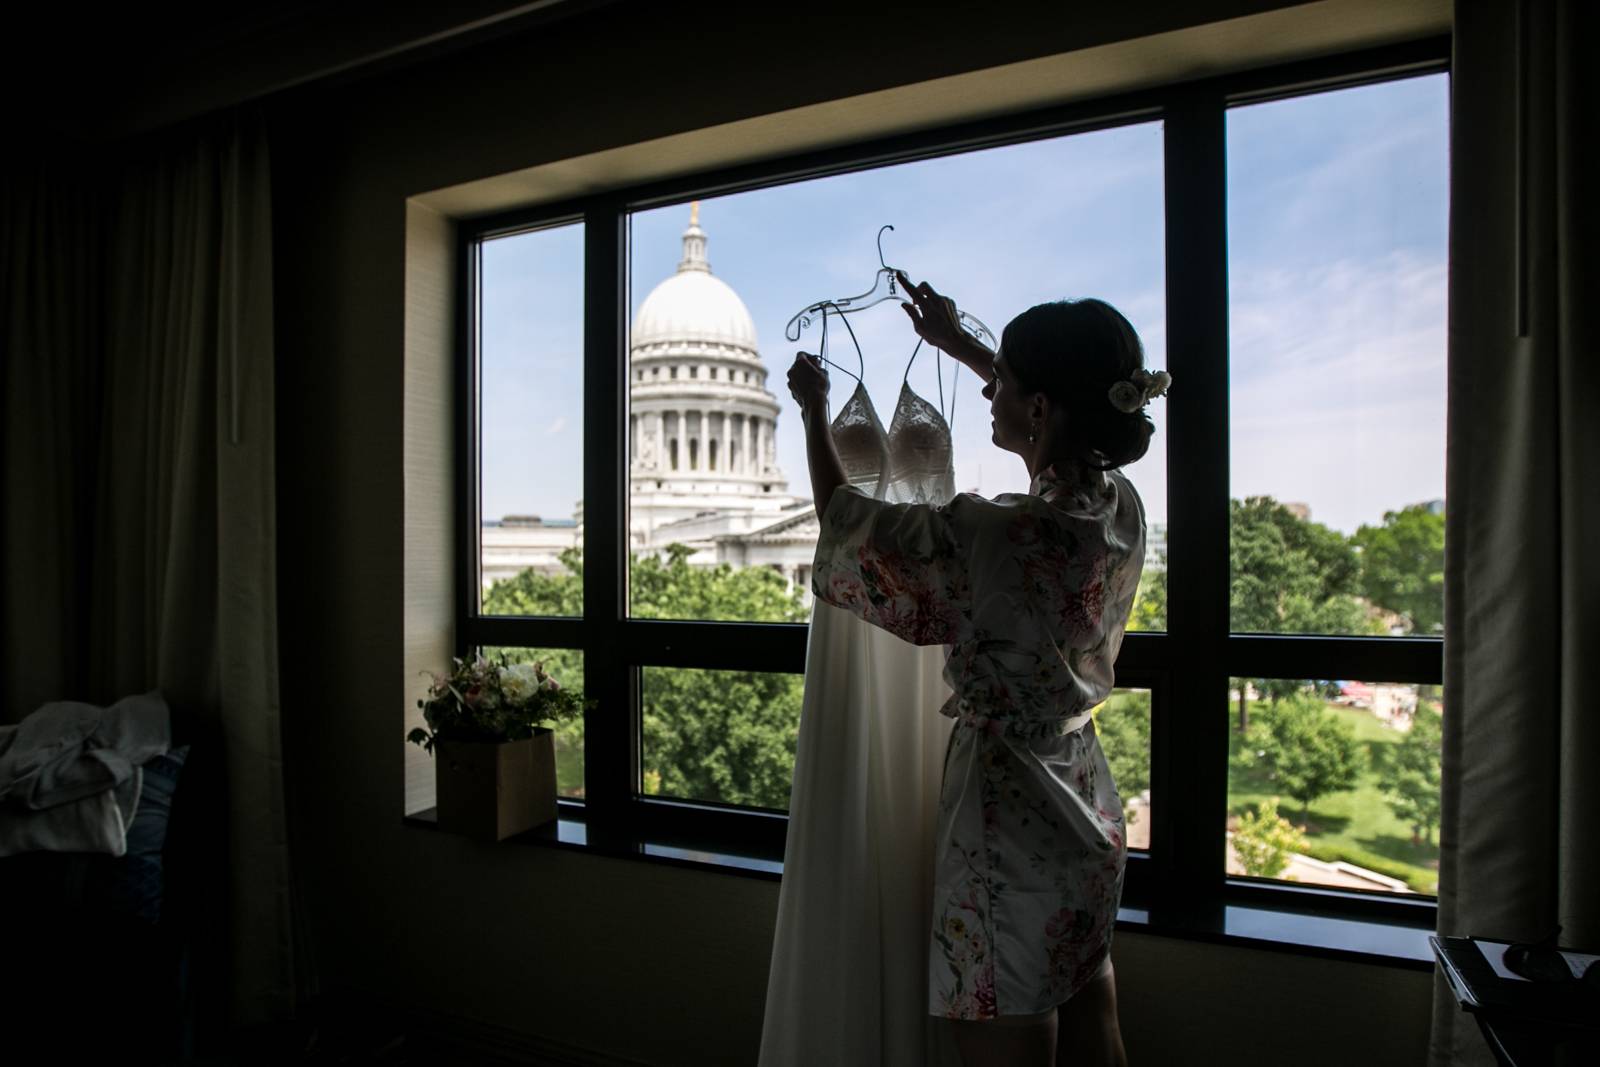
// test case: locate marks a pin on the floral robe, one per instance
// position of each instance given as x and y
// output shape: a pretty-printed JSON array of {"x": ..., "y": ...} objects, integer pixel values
[{"x": 1031, "y": 593}]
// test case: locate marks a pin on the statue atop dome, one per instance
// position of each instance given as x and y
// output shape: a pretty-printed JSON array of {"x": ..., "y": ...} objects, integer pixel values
[{"x": 694, "y": 243}]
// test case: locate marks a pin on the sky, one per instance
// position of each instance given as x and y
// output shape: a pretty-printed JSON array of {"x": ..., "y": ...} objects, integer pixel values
[{"x": 1337, "y": 253}]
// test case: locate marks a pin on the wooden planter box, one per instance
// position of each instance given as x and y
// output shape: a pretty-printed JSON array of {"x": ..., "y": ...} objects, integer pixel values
[{"x": 492, "y": 791}]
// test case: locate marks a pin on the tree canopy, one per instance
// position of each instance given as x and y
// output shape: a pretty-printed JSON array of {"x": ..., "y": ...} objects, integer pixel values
[
  {"x": 1264, "y": 841},
  {"x": 1150, "y": 603},
  {"x": 1290, "y": 575},
  {"x": 1123, "y": 723},
  {"x": 730, "y": 735},
  {"x": 1308, "y": 749},
  {"x": 1402, "y": 566},
  {"x": 1411, "y": 777}
]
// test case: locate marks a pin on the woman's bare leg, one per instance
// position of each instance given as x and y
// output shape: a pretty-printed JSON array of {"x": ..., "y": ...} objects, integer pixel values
[
  {"x": 1088, "y": 1033},
  {"x": 1009, "y": 1041}
]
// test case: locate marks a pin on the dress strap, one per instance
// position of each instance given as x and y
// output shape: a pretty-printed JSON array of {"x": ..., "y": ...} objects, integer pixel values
[{"x": 938, "y": 373}]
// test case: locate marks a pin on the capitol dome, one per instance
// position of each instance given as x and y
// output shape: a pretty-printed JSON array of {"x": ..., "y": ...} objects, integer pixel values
[
  {"x": 694, "y": 308},
  {"x": 702, "y": 425}
]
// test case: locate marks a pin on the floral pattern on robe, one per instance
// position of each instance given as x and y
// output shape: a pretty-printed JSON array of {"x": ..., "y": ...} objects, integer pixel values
[{"x": 1031, "y": 594}]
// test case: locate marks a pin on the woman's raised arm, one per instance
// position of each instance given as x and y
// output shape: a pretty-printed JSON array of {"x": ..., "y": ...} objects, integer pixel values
[
  {"x": 934, "y": 318},
  {"x": 808, "y": 384}
]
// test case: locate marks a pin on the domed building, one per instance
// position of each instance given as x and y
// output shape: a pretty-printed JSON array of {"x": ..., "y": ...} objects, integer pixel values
[
  {"x": 702, "y": 420},
  {"x": 702, "y": 429}
]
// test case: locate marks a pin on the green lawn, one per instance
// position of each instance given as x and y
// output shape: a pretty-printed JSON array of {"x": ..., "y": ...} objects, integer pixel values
[{"x": 1355, "y": 825}]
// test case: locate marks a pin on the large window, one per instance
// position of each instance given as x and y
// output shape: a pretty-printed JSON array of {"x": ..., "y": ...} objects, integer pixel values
[{"x": 638, "y": 494}]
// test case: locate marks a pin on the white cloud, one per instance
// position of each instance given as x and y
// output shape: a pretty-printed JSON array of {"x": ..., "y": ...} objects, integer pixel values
[{"x": 1337, "y": 396}]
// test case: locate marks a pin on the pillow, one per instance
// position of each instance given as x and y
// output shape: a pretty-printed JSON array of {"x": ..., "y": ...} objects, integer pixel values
[
  {"x": 133, "y": 884},
  {"x": 86, "y": 887}
]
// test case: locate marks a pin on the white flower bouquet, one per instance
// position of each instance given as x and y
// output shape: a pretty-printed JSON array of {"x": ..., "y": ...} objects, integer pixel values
[{"x": 491, "y": 701}]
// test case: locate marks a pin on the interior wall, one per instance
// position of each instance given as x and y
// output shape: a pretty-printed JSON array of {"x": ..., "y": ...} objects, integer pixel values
[{"x": 644, "y": 962}]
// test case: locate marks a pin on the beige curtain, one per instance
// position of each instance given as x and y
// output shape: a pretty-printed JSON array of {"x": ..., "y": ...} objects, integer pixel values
[
  {"x": 50, "y": 272},
  {"x": 1522, "y": 612},
  {"x": 165, "y": 413}
]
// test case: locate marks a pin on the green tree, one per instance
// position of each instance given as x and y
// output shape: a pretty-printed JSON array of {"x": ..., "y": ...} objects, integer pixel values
[
  {"x": 1411, "y": 779},
  {"x": 725, "y": 736},
  {"x": 1308, "y": 750},
  {"x": 667, "y": 587},
  {"x": 532, "y": 593},
  {"x": 1289, "y": 575},
  {"x": 1123, "y": 723},
  {"x": 1150, "y": 603},
  {"x": 1402, "y": 566},
  {"x": 1263, "y": 840}
]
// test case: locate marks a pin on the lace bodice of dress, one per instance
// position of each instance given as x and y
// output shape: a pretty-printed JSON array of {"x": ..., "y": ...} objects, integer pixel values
[
  {"x": 912, "y": 463},
  {"x": 921, "y": 459},
  {"x": 862, "y": 445}
]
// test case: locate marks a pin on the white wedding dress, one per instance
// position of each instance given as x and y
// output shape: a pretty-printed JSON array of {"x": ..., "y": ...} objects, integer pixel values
[{"x": 848, "y": 985}]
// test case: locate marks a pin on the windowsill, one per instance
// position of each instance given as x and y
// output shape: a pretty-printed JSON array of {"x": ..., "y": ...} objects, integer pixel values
[
  {"x": 1302, "y": 931},
  {"x": 573, "y": 834},
  {"x": 1387, "y": 942}
]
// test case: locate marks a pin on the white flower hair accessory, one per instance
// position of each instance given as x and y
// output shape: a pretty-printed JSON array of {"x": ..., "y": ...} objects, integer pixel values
[{"x": 1140, "y": 387}]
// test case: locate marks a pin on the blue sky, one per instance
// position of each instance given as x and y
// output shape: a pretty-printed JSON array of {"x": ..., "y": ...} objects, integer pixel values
[{"x": 1337, "y": 222}]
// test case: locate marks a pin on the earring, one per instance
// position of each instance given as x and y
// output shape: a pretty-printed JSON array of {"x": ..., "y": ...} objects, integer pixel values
[{"x": 1033, "y": 433}]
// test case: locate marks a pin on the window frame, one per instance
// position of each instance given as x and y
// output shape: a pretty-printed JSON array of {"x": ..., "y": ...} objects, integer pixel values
[{"x": 1189, "y": 665}]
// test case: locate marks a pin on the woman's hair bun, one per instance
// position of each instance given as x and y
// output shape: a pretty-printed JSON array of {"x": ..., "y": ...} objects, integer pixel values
[{"x": 1077, "y": 352}]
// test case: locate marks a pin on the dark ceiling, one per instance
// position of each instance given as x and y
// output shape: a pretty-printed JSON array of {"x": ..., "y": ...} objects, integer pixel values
[{"x": 127, "y": 69}]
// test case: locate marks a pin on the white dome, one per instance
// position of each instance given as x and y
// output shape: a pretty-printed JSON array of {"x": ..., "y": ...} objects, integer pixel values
[{"x": 694, "y": 305}]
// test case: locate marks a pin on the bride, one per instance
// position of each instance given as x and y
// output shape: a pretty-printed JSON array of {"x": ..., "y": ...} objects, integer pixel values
[{"x": 1030, "y": 594}]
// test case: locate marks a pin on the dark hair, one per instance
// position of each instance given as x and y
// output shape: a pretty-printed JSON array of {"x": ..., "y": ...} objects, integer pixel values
[{"x": 1073, "y": 351}]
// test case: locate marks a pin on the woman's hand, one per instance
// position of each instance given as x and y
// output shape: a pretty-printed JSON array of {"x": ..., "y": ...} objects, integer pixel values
[
  {"x": 808, "y": 383},
  {"x": 937, "y": 322},
  {"x": 933, "y": 316}
]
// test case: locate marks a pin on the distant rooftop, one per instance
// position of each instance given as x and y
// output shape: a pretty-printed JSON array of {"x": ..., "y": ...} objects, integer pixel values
[{"x": 530, "y": 520}]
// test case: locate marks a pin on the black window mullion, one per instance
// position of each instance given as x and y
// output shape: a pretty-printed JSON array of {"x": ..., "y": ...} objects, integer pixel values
[
  {"x": 469, "y": 263},
  {"x": 479, "y": 631},
  {"x": 1193, "y": 722},
  {"x": 727, "y": 646},
  {"x": 1143, "y": 651},
  {"x": 610, "y": 741},
  {"x": 1418, "y": 660}
]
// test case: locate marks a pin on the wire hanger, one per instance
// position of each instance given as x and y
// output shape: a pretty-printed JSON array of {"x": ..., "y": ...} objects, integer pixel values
[
  {"x": 822, "y": 348},
  {"x": 885, "y": 286}
]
